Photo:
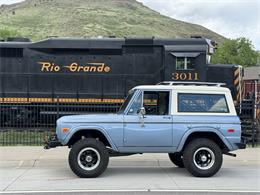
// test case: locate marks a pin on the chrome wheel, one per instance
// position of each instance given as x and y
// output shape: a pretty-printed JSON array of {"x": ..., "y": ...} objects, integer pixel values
[
  {"x": 88, "y": 159},
  {"x": 204, "y": 158}
]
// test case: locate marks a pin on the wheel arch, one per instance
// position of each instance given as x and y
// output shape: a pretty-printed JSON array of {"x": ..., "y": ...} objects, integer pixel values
[
  {"x": 89, "y": 132},
  {"x": 211, "y": 134}
]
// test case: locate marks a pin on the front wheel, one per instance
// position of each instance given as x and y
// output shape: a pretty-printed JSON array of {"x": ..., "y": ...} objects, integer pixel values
[
  {"x": 88, "y": 158},
  {"x": 202, "y": 157}
]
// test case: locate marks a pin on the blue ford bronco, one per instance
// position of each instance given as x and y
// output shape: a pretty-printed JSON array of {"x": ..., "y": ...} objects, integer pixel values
[{"x": 195, "y": 123}]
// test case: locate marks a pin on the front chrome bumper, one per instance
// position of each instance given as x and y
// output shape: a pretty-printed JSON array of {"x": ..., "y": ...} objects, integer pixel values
[{"x": 51, "y": 142}]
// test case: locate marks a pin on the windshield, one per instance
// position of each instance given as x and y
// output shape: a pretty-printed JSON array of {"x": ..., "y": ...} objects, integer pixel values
[{"x": 127, "y": 100}]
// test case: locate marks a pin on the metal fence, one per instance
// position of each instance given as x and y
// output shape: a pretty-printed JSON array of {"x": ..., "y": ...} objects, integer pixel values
[
  {"x": 28, "y": 123},
  {"x": 250, "y": 121}
]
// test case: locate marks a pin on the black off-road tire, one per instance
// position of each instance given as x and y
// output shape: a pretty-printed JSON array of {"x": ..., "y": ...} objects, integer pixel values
[
  {"x": 177, "y": 159},
  {"x": 96, "y": 146},
  {"x": 202, "y": 145}
]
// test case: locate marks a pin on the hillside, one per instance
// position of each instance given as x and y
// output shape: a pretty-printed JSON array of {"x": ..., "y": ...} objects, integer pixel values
[{"x": 38, "y": 19}]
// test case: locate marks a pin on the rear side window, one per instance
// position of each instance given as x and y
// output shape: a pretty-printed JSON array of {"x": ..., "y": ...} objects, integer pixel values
[{"x": 212, "y": 103}]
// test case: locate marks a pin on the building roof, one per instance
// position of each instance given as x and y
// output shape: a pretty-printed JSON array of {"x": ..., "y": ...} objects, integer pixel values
[{"x": 252, "y": 73}]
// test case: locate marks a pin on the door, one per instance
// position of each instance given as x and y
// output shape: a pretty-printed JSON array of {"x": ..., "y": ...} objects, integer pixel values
[{"x": 155, "y": 127}]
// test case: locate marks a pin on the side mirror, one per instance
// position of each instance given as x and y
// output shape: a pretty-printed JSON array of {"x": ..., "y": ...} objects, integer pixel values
[{"x": 142, "y": 111}]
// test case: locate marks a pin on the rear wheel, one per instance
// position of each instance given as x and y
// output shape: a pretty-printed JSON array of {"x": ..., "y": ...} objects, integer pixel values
[
  {"x": 88, "y": 158},
  {"x": 202, "y": 157},
  {"x": 176, "y": 159}
]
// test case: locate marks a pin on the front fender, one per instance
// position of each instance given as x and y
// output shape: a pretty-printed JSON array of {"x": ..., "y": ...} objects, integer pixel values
[
  {"x": 92, "y": 127},
  {"x": 203, "y": 129}
]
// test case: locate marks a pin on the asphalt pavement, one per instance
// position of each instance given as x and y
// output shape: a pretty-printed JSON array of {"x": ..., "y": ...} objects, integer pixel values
[{"x": 38, "y": 171}]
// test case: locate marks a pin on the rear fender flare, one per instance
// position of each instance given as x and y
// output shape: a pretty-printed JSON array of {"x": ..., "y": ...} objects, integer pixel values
[{"x": 201, "y": 130}]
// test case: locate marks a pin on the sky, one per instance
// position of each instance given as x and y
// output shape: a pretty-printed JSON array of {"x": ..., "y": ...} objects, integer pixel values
[{"x": 230, "y": 18}]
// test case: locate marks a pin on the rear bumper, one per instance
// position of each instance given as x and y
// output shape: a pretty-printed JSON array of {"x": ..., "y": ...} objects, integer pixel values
[
  {"x": 51, "y": 142},
  {"x": 241, "y": 145}
]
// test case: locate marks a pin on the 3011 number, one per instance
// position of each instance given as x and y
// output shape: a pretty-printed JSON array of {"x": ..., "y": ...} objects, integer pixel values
[{"x": 185, "y": 76}]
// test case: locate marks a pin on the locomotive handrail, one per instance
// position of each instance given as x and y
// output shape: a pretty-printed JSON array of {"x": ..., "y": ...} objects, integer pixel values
[{"x": 191, "y": 83}]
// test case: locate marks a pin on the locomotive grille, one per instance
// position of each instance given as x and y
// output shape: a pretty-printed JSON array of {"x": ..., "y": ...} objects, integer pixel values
[{"x": 11, "y": 52}]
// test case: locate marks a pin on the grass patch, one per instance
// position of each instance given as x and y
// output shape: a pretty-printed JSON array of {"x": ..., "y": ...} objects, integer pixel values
[{"x": 23, "y": 137}]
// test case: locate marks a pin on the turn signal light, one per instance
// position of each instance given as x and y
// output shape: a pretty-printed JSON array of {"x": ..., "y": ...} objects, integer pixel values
[{"x": 65, "y": 130}]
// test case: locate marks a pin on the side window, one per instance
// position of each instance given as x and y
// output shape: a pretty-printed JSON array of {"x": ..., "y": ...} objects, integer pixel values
[
  {"x": 180, "y": 63},
  {"x": 136, "y": 105},
  {"x": 184, "y": 63},
  {"x": 156, "y": 102},
  {"x": 190, "y": 63},
  {"x": 202, "y": 103}
]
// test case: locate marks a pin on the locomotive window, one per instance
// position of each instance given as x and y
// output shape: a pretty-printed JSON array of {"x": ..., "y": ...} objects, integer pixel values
[
  {"x": 202, "y": 103},
  {"x": 184, "y": 63},
  {"x": 180, "y": 63},
  {"x": 190, "y": 62}
]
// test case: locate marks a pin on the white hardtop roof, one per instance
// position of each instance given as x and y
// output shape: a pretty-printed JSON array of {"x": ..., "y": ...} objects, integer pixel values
[{"x": 182, "y": 88}]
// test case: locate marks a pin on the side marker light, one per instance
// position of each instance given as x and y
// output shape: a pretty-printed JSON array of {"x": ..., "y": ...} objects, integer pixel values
[
  {"x": 231, "y": 130},
  {"x": 65, "y": 130}
]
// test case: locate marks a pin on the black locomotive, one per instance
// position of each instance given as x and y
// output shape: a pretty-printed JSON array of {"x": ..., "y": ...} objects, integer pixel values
[{"x": 94, "y": 75}]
